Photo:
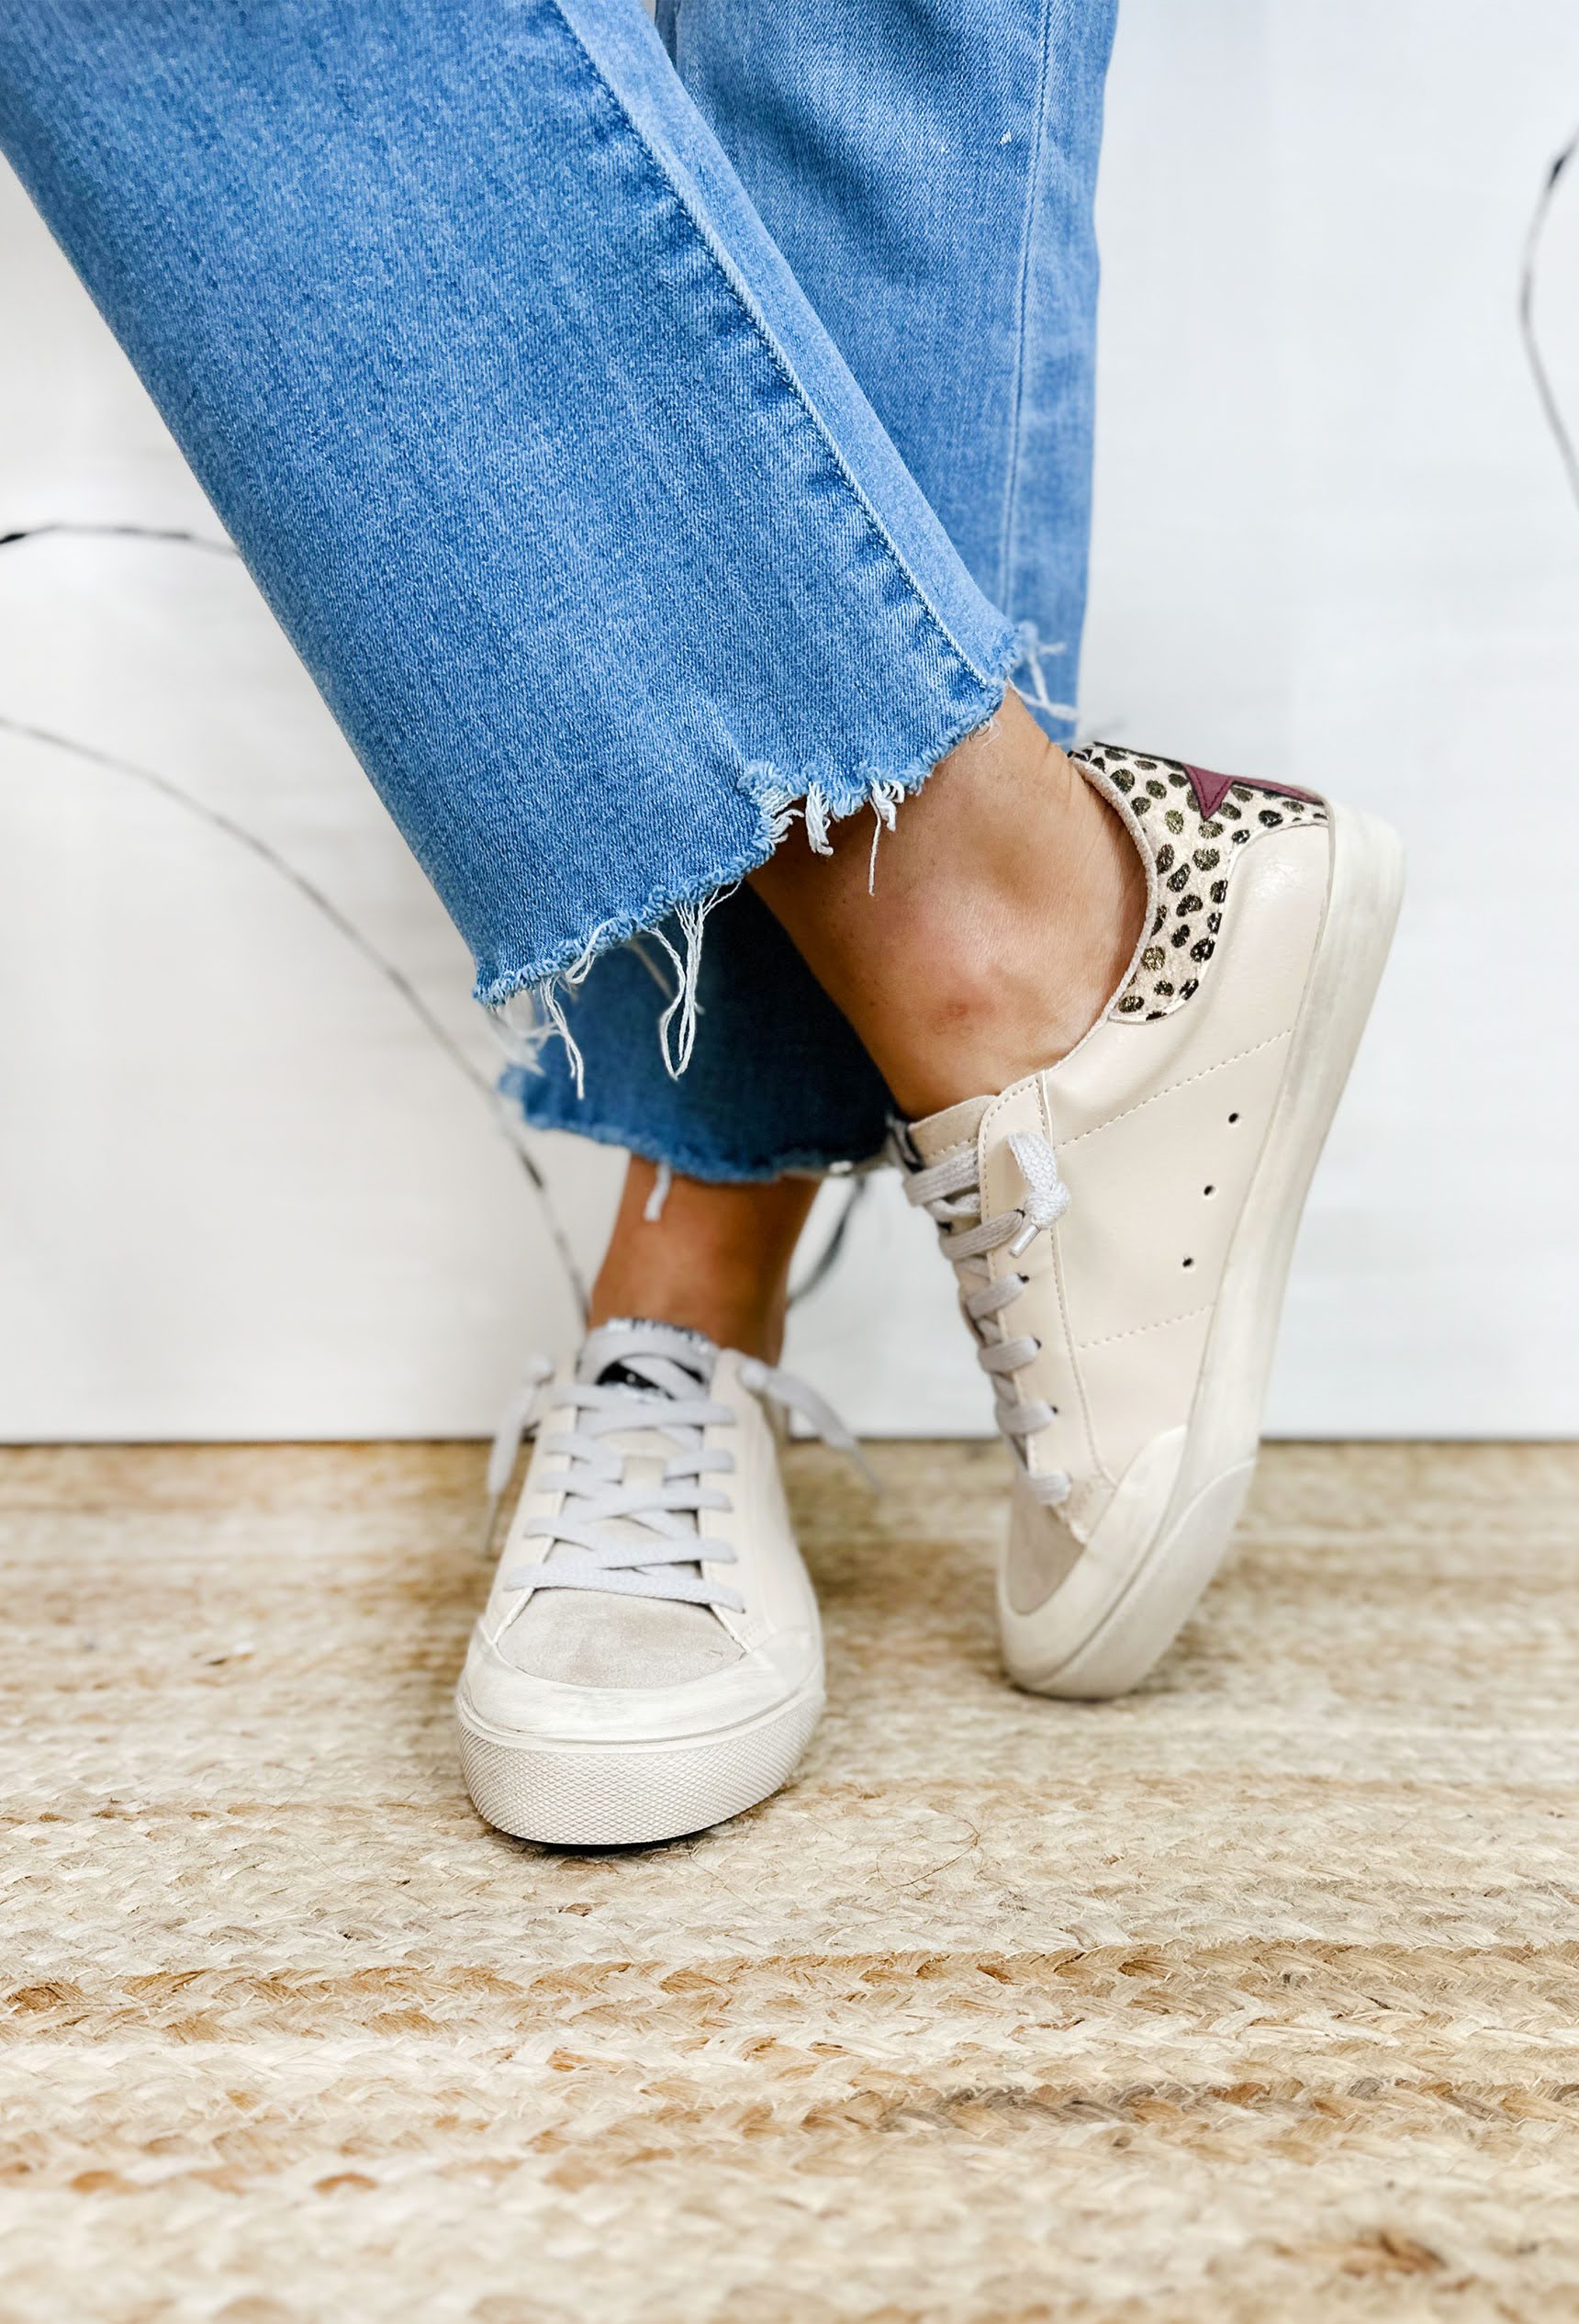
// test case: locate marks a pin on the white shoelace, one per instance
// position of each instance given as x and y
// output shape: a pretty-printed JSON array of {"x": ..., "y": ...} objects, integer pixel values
[
  {"x": 950, "y": 1193},
  {"x": 659, "y": 1547}
]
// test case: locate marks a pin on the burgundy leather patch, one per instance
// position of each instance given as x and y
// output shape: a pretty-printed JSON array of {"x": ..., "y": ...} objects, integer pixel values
[{"x": 1211, "y": 790}]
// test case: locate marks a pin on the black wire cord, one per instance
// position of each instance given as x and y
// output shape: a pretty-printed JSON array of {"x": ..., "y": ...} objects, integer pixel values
[
  {"x": 307, "y": 889},
  {"x": 1552, "y": 410},
  {"x": 115, "y": 533}
]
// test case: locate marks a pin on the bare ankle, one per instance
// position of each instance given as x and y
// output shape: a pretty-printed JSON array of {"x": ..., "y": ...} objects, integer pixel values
[
  {"x": 714, "y": 1259},
  {"x": 1008, "y": 903}
]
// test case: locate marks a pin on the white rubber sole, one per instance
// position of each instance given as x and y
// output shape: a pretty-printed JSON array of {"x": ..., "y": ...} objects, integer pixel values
[
  {"x": 628, "y": 1794},
  {"x": 1152, "y": 1603}
]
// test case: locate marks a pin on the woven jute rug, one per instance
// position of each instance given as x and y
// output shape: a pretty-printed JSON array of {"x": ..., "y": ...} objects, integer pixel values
[{"x": 1256, "y": 1996}]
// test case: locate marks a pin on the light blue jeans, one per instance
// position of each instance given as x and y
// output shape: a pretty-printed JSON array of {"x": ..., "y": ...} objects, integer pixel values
[{"x": 642, "y": 436}]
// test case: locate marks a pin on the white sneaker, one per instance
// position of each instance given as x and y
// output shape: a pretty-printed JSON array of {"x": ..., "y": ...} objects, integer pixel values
[
  {"x": 1122, "y": 1223},
  {"x": 650, "y": 1660}
]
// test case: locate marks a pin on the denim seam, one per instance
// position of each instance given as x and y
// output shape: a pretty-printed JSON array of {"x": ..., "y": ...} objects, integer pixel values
[
  {"x": 744, "y": 297},
  {"x": 1033, "y": 199}
]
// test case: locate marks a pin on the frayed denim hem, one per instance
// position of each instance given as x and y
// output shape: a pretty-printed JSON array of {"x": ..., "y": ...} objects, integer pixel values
[
  {"x": 517, "y": 1086},
  {"x": 528, "y": 1004}
]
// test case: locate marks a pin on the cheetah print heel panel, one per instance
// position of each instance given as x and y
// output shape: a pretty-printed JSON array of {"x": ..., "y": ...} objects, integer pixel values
[{"x": 1194, "y": 823}]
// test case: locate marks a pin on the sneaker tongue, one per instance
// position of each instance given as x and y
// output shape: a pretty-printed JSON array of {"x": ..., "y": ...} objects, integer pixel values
[
  {"x": 939, "y": 1134},
  {"x": 609, "y": 1355}
]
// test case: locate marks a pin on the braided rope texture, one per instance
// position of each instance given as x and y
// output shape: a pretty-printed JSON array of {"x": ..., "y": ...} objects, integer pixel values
[{"x": 1254, "y": 1997}]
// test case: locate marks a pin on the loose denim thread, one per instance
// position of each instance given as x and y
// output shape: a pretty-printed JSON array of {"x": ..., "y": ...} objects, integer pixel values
[
  {"x": 529, "y": 1020},
  {"x": 815, "y": 810},
  {"x": 692, "y": 919}
]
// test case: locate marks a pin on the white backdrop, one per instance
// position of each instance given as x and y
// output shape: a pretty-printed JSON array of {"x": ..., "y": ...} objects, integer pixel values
[{"x": 242, "y": 1190}]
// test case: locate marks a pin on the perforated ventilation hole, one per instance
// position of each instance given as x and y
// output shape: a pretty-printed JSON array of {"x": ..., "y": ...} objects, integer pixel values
[
  {"x": 1208, "y": 1190},
  {"x": 1233, "y": 1117},
  {"x": 1188, "y": 1262}
]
